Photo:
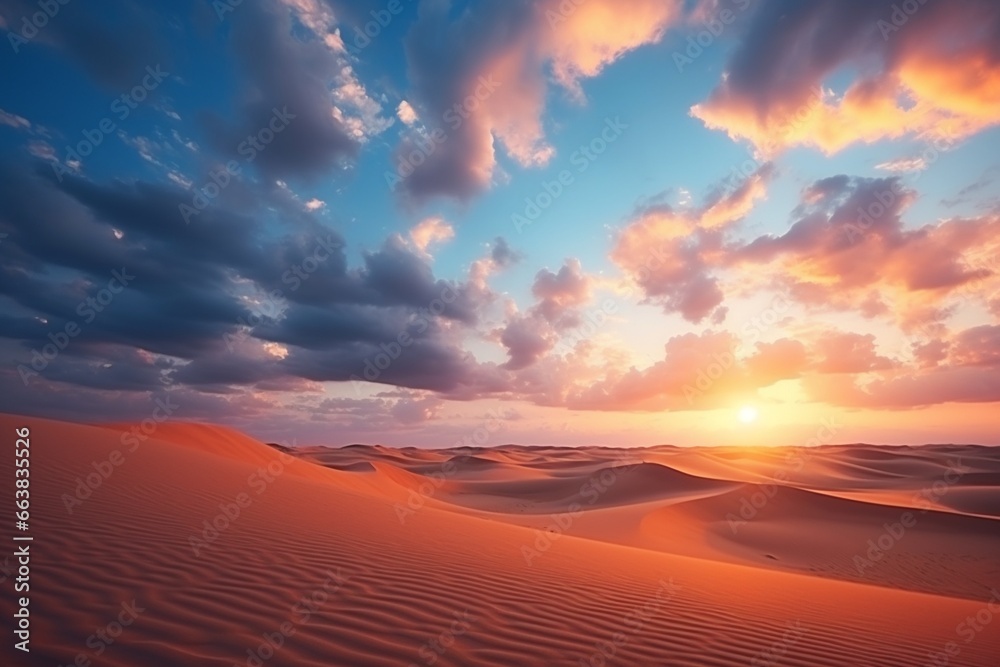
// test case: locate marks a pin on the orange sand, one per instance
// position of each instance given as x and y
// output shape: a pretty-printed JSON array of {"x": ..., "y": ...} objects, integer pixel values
[{"x": 515, "y": 556}]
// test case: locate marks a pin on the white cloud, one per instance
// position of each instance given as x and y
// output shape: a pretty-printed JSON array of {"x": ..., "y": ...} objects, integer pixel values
[
  {"x": 903, "y": 164},
  {"x": 13, "y": 120},
  {"x": 406, "y": 113}
]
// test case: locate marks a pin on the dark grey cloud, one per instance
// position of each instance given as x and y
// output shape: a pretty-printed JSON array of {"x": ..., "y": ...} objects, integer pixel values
[
  {"x": 293, "y": 76},
  {"x": 446, "y": 54},
  {"x": 502, "y": 254},
  {"x": 113, "y": 46},
  {"x": 527, "y": 339},
  {"x": 204, "y": 300}
]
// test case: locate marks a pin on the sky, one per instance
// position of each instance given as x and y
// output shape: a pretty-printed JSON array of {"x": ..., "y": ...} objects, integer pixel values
[{"x": 574, "y": 222}]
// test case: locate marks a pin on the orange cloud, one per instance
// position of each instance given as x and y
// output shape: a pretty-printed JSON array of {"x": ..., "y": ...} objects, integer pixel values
[
  {"x": 934, "y": 74},
  {"x": 585, "y": 36},
  {"x": 850, "y": 250}
]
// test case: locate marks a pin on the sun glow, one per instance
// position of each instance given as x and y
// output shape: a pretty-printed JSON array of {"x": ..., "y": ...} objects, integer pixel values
[{"x": 748, "y": 414}]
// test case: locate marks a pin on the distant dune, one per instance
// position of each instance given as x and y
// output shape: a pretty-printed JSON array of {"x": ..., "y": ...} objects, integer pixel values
[{"x": 221, "y": 550}]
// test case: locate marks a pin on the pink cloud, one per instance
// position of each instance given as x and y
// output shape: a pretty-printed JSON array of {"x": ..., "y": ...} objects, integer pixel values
[
  {"x": 670, "y": 253},
  {"x": 429, "y": 231},
  {"x": 850, "y": 249}
]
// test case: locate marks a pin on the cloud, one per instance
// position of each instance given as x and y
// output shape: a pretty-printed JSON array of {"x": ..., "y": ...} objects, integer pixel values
[
  {"x": 932, "y": 73},
  {"x": 848, "y": 353},
  {"x": 431, "y": 230},
  {"x": 113, "y": 46},
  {"x": 309, "y": 75},
  {"x": 912, "y": 390},
  {"x": 500, "y": 257},
  {"x": 527, "y": 339},
  {"x": 782, "y": 359},
  {"x": 661, "y": 250},
  {"x": 670, "y": 253},
  {"x": 903, "y": 164},
  {"x": 530, "y": 335},
  {"x": 697, "y": 371},
  {"x": 406, "y": 113},
  {"x": 561, "y": 294},
  {"x": 13, "y": 120},
  {"x": 502, "y": 254},
  {"x": 480, "y": 76},
  {"x": 583, "y": 38},
  {"x": 849, "y": 248},
  {"x": 42, "y": 150},
  {"x": 704, "y": 371},
  {"x": 977, "y": 346},
  {"x": 416, "y": 410},
  {"x": 219, "y": 305},
  {"x": 201, "y": 317}
]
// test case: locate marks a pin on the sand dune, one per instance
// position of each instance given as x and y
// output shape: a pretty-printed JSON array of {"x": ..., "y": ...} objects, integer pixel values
[{"x": 220, "y": 550}]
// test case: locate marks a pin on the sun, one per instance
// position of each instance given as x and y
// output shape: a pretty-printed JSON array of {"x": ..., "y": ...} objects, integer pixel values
[{"x": 748, "y": 414}]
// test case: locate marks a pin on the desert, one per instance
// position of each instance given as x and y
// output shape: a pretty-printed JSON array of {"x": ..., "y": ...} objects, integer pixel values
[{"x": 218, "y": 549}]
